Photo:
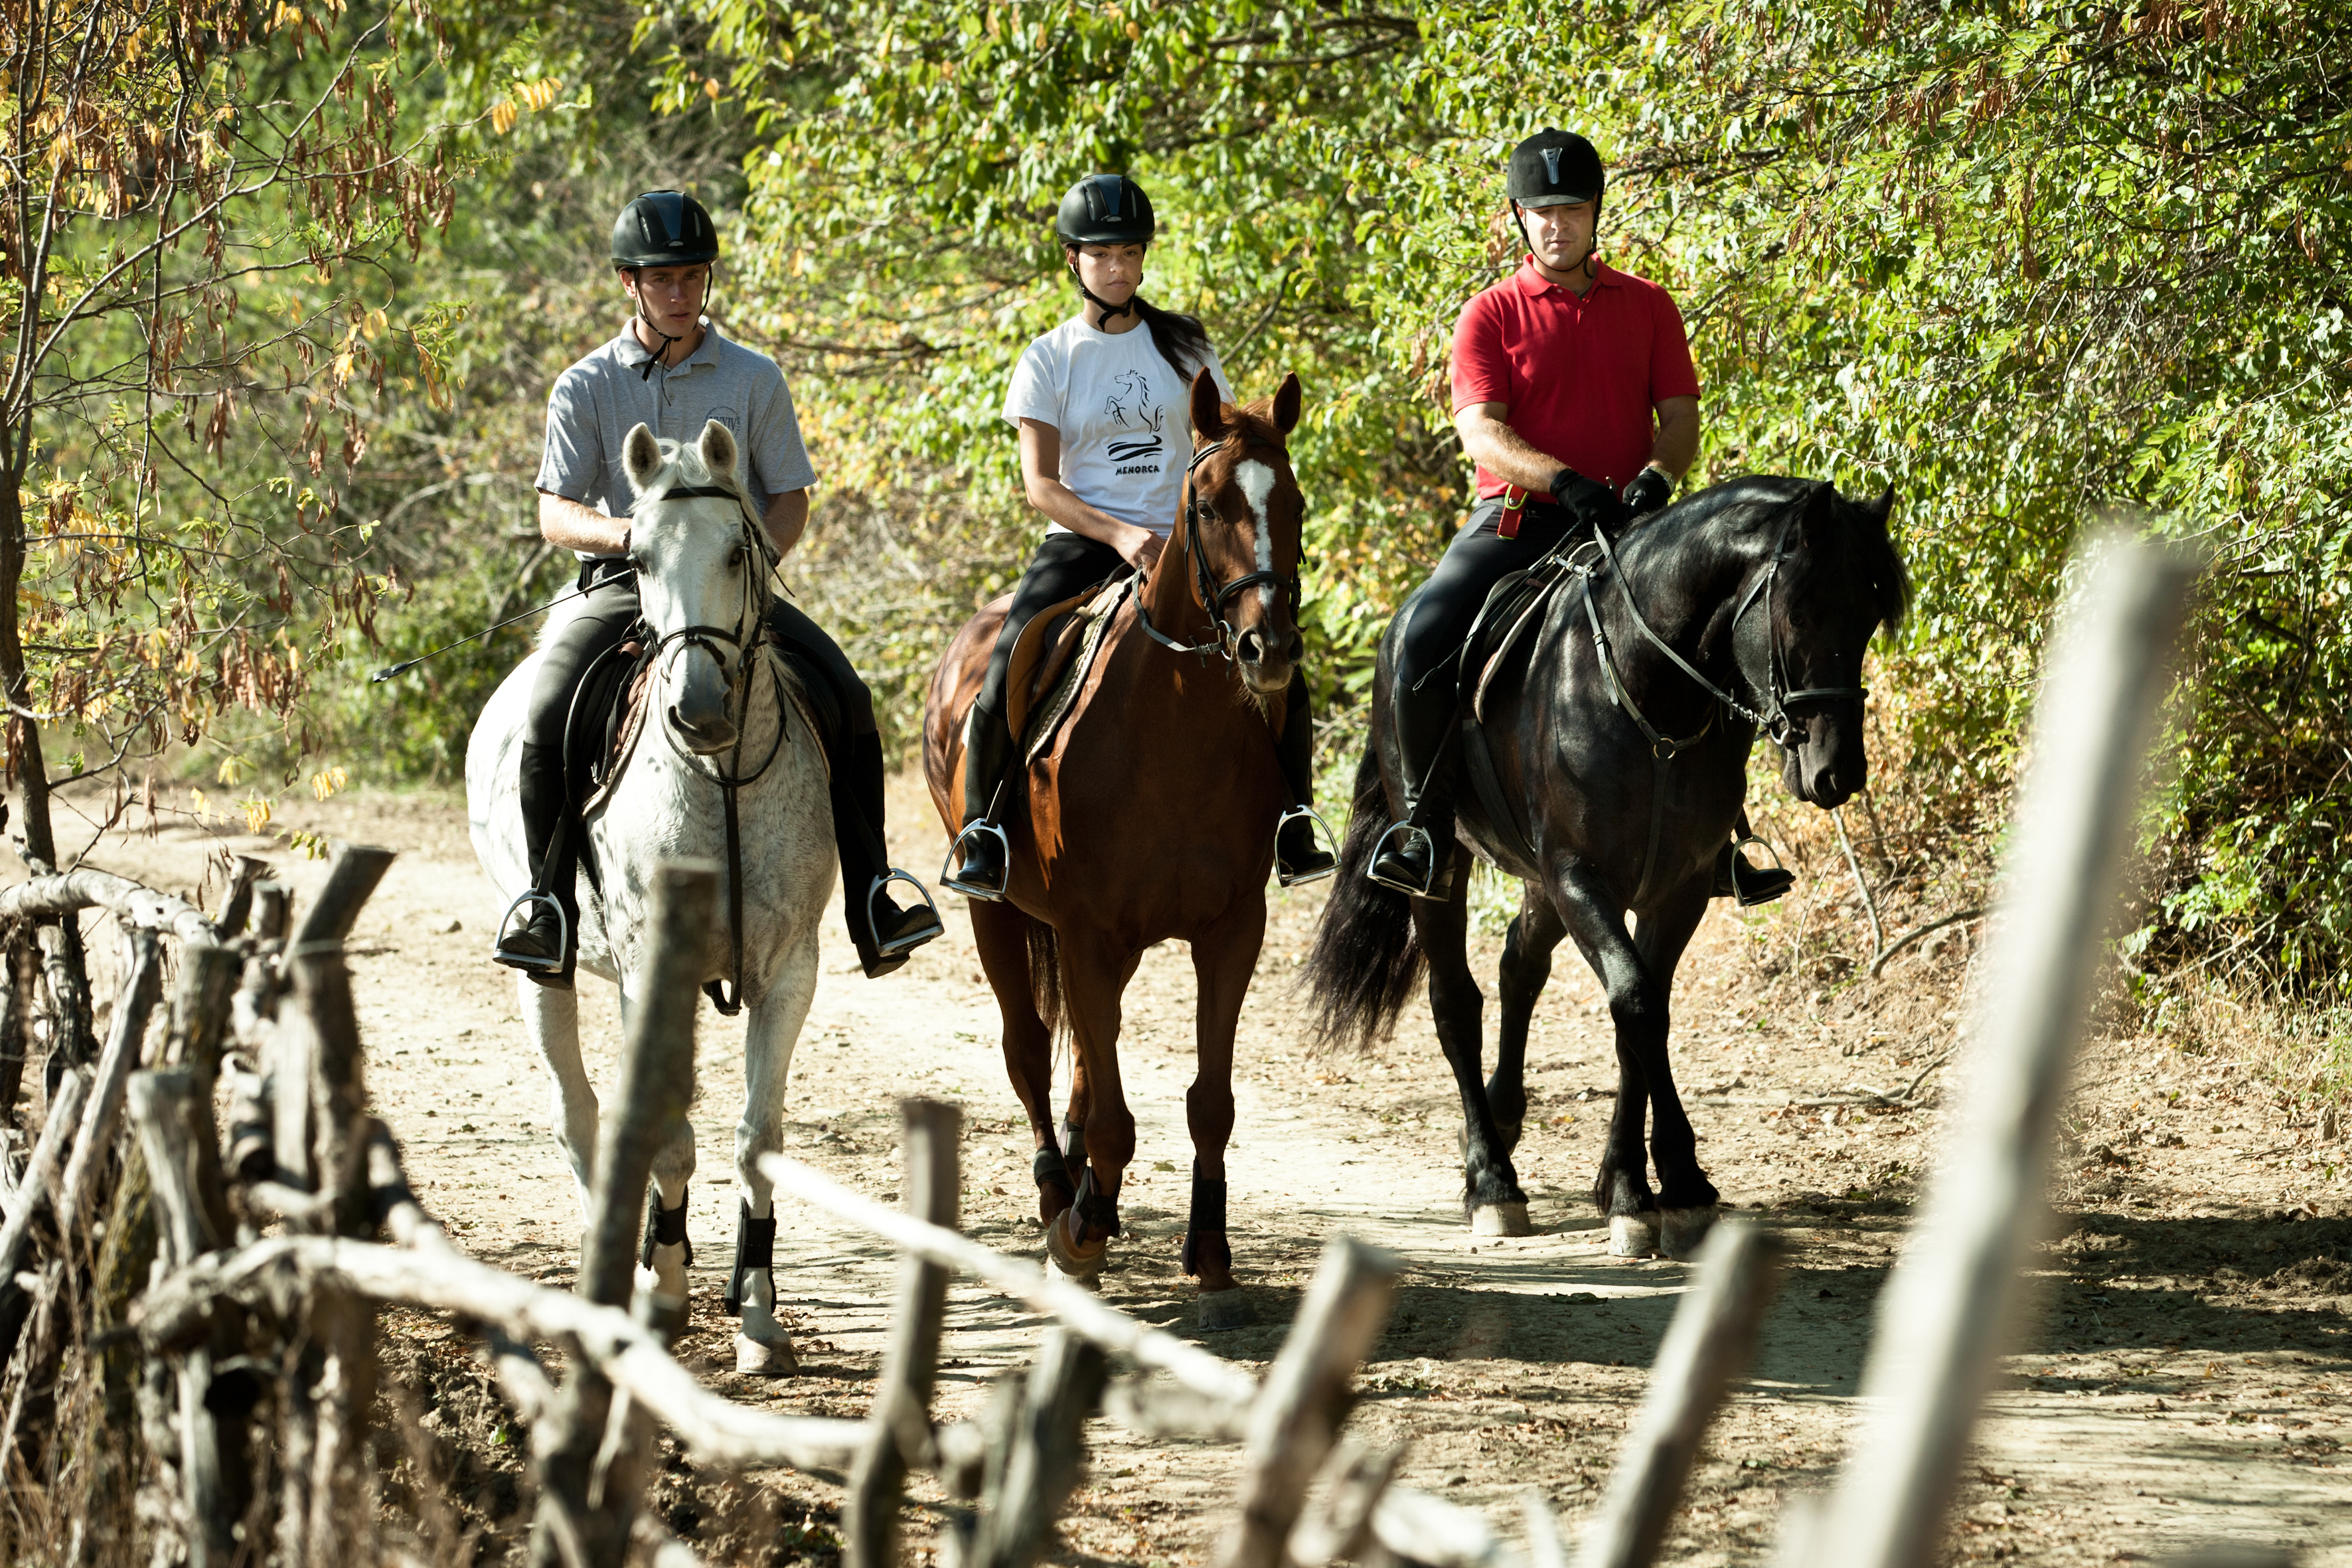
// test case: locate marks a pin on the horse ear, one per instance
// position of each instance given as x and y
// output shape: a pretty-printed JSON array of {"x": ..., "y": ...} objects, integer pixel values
[
  {"x": 1287, "y": 399},
  {"x": 1883, "y": 507},
  {"x": 1208, "y": 407},
  {"x": 717, "y": 445},
  {"x": 1820, "y": 506},
  {"x": 641, "y": 457}
]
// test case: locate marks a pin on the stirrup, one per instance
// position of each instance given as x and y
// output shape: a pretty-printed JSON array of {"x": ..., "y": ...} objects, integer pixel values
[
  {"x": 910, "y": 940},
  {"x": 1289, "y": 816},
  {"x": 1740, "y": 867},
  {"x": 1417, "y": 831},
  {"x": 519, "y": 961},
  {"x": 955, "y": 857}
]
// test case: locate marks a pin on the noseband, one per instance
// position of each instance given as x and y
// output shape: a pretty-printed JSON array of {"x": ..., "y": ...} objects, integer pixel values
[{"x": 1212, "y": 595}]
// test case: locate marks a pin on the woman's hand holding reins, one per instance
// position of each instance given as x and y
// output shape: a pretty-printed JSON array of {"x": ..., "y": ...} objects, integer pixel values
[{"x": 1141, "y": 547}]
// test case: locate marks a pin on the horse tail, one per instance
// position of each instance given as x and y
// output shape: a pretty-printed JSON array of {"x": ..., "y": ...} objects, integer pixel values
[
  {"x": 1045, "y": 976},
  {"x": 1367, "y": 959}
]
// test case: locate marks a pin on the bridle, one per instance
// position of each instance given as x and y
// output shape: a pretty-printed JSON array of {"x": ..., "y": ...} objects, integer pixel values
[
  {"x": 730, "y": 778},
  {"x": 1212, "y": 595},
  {"x": 1773, "y": 695}
]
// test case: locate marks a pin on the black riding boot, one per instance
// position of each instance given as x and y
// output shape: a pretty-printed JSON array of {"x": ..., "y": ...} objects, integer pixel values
[
  {"x": 1298, "y": 858},
  {"x": 537, "y": 944},
  {"x": 1411, "y": 856},
  {"x": 883, "y": 933},
  {"x": 977, "y": 859}
]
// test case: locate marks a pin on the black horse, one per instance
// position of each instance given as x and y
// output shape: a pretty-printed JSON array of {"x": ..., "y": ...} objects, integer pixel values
[{"x": 1616, "y": 747}]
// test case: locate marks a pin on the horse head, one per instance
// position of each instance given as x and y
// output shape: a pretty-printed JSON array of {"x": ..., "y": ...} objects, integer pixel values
[
  {"x": 1244, "y": 530},
  {"x": 1834, "y": 581},
  {"x": 702, "y": 565}
]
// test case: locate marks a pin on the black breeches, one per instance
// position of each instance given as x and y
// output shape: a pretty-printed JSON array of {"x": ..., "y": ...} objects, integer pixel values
[
  {"x": 1439, "y": 613},
  {"x": 1066, "y": 565},
  {"x": 605, "y": 618}
]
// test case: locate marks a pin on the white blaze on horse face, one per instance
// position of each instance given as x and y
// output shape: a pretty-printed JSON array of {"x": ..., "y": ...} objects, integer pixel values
[{"x": 1256, "y": 481}]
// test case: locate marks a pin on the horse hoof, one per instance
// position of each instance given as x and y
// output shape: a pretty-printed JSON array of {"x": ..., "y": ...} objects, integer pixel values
[
  {"x": 1682, "y": 1230},
  {"x": 765, "y": 1357},
  {"x": 1500, "y": 1219},
  {"x": 1633, "y": 1235},
  {"x": 1222, "y": 1309},
  {"x": 1070, "y": 1259}
]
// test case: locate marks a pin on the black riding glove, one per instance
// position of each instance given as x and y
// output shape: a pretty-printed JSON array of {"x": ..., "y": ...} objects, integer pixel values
[
  {"x": 1588, "y": 500},
  {"x": 1650, "y": 490}
]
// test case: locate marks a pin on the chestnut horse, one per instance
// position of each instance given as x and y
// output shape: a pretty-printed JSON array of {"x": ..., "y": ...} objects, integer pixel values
[{"x": 1151, "y": 815}]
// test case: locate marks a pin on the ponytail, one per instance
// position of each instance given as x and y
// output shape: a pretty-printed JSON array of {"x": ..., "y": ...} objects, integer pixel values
[{"x": 1181, "y": 340}]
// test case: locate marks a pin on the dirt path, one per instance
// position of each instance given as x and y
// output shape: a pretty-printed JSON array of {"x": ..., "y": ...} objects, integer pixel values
[{"x": 2186, "y": 1383}]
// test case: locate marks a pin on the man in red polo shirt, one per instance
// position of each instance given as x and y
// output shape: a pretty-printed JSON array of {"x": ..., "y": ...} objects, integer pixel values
[{"x": 1574, "y": 393}]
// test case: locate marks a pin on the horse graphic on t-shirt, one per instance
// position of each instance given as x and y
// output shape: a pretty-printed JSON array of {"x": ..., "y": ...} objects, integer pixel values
[{"x": 1133, "y": 406}]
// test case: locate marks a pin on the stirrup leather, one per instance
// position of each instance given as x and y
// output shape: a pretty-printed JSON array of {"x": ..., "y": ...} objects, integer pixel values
[
  {"x": 519, "y": 961},
  {"x": 1289, "y": 816},
  {"x": 1413, "y": 830},
  {"x": 955, "y": 857},
  {"x": 913, "y": 939}
]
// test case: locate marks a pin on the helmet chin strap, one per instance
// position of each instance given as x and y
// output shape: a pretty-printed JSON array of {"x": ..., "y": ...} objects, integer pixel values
[
  {"x": 1105, "y": 306},
  {"x": 660, "y": 356}
]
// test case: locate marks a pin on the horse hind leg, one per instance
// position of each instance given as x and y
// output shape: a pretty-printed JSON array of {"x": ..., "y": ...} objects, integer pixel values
[
  {"x": 1011, "y": 961},
  {"x": 1524, "y": 969}
]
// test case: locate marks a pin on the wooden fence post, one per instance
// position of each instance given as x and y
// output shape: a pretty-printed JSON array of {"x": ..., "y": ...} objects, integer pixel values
[
  {"x": 900, "y": 1426},
  {"x": 1036, "y": 1451},
  {"x": 163, "y": 1107},
  {"x": 1949, "y": 1310},
  {"x": 589, "y": 1483},
  {"x": 1306, "y": 1397},
  {"x": 1711, "y": 1337}
]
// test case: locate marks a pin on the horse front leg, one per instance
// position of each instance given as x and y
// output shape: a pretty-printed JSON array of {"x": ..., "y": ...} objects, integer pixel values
[
  {"x": 1686, "y": 1199},
  {"x": 1524, "y": 969},
  {"x": 1223, "y": 959},
  {"x": 1637, "y": 1006},
  {"x": 1001, "y": 933},
  {"x": 552, "y": 1018},
  {"x": 1093, "y": 975},
  {"x": 763, "y": 1348},
  {"x": 1491, "y": 1197}
]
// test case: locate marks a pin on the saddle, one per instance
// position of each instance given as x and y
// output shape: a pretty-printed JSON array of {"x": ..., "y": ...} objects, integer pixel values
[
  {"x": 1052, "y": 658},
  {"x": 1518, "y": 602},
  {"x": 608, "y": 714}
]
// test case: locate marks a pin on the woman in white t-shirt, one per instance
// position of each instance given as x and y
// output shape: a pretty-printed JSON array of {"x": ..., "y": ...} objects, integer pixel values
[{"x": 1103, "y": 405}]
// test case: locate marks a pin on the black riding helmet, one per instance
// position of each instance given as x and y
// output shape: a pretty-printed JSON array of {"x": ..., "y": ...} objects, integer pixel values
[
  {"x": 1555, "y": 168},
  {"x": 664, "y": 228},
  {"x": 1105, "y": 209}
]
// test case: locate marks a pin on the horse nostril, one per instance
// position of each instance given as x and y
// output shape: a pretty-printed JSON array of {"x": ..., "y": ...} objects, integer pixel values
[
  {"x": 1297, "y": 646},
  {"x": 1249, "y": 648}
]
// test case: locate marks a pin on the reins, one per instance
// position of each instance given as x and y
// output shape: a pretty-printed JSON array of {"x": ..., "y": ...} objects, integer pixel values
[{"x": 1772, "y": 713}]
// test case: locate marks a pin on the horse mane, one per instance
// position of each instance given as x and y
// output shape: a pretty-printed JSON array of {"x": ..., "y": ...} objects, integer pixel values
[
  {"x": 1258, "y": 427},
  {"x": 1759, "y": 501}
]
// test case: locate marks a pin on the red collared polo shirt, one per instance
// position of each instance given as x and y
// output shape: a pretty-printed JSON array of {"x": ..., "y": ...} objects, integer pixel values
[{"x": 1579, "y": 377}]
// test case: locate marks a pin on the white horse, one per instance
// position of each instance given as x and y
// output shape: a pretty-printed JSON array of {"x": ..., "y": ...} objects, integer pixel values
[{"x": 701, "y": 562}]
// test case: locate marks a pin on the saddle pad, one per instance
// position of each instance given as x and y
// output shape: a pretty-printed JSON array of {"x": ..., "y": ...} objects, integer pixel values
[
  {"x": 1038, "y": 654},
  {"x": 1092, "y": 628},
  {"x": 1518, "y": 600}
]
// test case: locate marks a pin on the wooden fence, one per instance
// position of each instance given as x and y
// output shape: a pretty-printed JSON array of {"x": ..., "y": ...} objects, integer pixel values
[{"x": 232, "y": 1371}]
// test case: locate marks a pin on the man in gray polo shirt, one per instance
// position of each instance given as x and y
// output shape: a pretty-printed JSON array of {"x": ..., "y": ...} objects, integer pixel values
[{"x": 671, "y": 371}]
